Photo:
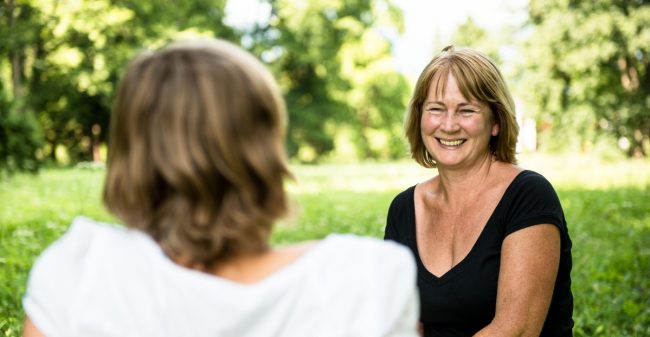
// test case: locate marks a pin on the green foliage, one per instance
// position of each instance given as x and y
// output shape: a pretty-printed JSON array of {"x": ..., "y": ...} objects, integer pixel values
[
  {"x": 469, "y": 34},
  {"x": 20, "y": 139},
  {"x": 609, "y": 222},
  {"x": 611, "y": 234},
  {"x": 325, "y": 53},
  {"x": 62, "y": 59},
  {"x": 584, "y": 75},
  {"x": 36, "y": 209},
  {"x": 586, "y": 72},
  {"x": 378, "y": 97}
]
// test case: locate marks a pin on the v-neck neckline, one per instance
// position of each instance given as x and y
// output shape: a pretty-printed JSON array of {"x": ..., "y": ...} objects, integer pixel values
[{"x": 458, "y": 267}]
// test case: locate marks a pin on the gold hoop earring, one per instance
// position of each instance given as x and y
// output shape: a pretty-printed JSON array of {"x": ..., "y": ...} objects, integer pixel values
[{"x": 428, "y": 158}]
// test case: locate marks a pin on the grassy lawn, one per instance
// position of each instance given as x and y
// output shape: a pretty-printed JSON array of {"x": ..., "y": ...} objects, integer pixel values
[{"x": 607, "y": 207}]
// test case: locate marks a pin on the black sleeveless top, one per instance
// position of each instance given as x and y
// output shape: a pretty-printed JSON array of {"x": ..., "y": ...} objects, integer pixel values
[{"x": 462, "y": 301}]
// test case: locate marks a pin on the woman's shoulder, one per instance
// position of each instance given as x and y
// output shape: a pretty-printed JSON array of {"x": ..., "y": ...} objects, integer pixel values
[
  {"x": 57, "y": 273},
  {"x": 403, "y": 198},
  {"x": 83, "y": 235},
  {"x": 340, "y": 261},
  {"x": 530, "y": 181},
  {"x": 363, "y": 245},
  {"x": 529, "y": 174},
  {"x": 85, "y": 239},
  {"x": 348, "y": 263},
  {"x": 359, "y": 252},
  {"x": 407, "y": 193},
  {"x": 349, "y": 275}
]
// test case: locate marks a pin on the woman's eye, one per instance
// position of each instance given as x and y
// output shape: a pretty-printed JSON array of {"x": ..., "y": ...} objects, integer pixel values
[
  {"x": 435, "y": 110},
  {"x": 467, "y": 112}
]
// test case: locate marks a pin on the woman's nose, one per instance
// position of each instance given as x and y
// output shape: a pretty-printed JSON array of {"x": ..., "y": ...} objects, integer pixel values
[{"x": 449, "y": 122}]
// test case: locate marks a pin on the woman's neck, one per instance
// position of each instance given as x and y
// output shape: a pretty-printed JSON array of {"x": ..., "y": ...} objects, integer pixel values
[{"x": 466, "y": 183}]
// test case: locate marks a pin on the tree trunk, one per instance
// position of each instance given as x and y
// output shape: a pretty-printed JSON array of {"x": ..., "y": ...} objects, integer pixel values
[{"x": 16, "y": 55}]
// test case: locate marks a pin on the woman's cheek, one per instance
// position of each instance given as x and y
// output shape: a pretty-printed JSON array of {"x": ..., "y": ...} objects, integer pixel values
[{"x": 427, "y": 124}]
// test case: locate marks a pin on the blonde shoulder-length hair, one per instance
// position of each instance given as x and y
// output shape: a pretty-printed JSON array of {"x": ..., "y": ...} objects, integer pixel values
[
  {"x": 478, "y": 79},
  {"x": 196, "y": 152}
]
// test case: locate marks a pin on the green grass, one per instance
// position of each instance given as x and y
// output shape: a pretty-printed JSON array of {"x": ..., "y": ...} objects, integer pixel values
[{"x": 607, "y": 207}]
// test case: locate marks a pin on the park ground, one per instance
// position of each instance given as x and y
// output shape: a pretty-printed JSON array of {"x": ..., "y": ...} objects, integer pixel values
[{"x": 607, "y": 206}]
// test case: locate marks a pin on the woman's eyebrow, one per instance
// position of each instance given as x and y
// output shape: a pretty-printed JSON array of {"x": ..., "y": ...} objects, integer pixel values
[
  {"x": 434, "y": 101},
  {"x": 467, "y": 103},
  {"x": 461, "y": 104}
]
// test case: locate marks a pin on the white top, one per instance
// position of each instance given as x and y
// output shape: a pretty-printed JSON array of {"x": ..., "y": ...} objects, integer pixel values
[{"x": 103, "y": 280}]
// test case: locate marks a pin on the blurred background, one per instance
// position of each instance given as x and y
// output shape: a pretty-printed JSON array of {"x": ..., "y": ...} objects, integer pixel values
[
  {"x": 578, "y": 69},
  {"x": 579, "y": 72}
]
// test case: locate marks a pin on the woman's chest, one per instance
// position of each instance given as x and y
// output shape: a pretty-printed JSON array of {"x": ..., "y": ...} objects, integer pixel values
[
  {"x": 446, "y": 236},
  {"x": 467, "y": 291}
]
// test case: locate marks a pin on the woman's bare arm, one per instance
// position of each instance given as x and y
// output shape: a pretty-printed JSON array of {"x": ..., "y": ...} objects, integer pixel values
[{"x": 530, "y": 259}]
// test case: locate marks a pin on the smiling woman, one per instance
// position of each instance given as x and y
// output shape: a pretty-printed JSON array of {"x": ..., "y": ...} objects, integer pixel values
[
  {"x": 449, "y": 122},
  {"x": 469, "y": 80},
  {"x": 490, "y": 239}
]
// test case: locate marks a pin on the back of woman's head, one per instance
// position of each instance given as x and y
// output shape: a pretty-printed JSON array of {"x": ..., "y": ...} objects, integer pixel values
[{"x": 196, "y": 154}]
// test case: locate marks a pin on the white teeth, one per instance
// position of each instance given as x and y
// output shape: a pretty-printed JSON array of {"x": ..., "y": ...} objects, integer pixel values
[{"x": 451, "y": 142}]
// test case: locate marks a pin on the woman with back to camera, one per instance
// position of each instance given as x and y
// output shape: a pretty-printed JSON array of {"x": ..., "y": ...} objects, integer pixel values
[
  {"x": 195, "y": 171},
  {"x": 490, "y": 238}
]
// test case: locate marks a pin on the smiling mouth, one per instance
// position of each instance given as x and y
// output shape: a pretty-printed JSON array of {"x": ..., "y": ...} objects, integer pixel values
[{"x": 456, "y": 142}]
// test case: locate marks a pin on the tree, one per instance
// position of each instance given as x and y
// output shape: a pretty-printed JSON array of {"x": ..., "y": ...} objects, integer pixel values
[
  {"x": 60, "y": 61},
  {"x": 587, "y": 74},
  {"x": 318, "y": 50},
  {"x": 64, "y": 58},
  {"x": 20, "y": 136},
  {"x": 378, "y": 96},
  {"x": 469, "y": 34}
]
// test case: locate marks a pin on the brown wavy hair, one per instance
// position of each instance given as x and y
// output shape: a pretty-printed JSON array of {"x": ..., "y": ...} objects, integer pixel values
[
  {"x": 196, "y": 153},
  {"x": 478, "y": 79}
]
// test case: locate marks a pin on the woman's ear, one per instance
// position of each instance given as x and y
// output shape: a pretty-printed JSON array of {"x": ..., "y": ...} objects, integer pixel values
[{"x": 495, "y": 129}]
